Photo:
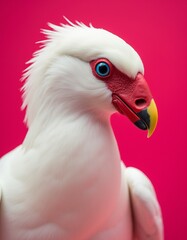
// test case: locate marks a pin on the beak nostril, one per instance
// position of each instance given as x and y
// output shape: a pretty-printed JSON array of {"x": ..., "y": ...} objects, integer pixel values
[{"x": 140, "y": 102}]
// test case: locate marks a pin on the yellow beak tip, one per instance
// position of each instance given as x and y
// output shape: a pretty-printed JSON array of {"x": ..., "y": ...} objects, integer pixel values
[{"x": 153, "y": 113}]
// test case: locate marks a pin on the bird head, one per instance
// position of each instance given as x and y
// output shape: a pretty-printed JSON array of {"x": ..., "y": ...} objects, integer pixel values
[{"x": 81, "y": 69}]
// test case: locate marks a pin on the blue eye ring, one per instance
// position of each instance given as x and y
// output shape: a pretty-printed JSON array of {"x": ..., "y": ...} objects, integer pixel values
[{"x": 102, "y": 69}]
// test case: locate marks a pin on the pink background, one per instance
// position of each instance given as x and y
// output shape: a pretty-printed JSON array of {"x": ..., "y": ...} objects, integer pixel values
[{"x": 158, "y": 31}]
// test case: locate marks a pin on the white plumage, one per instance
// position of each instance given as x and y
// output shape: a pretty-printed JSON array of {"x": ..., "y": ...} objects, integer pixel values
[{"x": 66, "y": 181}]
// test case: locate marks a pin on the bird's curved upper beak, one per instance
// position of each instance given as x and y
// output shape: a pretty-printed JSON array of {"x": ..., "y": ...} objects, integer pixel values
[{"x": 137, "y": 104}]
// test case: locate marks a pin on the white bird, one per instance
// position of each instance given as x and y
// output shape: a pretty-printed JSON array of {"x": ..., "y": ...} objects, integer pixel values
[{"x": 66, "y": 181}]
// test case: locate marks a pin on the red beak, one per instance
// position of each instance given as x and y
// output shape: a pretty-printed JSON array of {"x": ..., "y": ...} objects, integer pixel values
[
  {"x": 133, "y": 101},
  {"x": 133, "y": 98}
]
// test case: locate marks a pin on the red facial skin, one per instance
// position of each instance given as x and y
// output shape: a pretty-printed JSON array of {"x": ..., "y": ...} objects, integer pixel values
[{"x": 129, "y": 96}]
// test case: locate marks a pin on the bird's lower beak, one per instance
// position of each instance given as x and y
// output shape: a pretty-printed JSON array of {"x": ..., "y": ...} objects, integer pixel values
[
  {"x": 142, "y": 111},
  {"x": 146, "y": 119}
]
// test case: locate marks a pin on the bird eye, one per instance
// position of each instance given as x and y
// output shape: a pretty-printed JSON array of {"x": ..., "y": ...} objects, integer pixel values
[{"x": 102, "y": 69}]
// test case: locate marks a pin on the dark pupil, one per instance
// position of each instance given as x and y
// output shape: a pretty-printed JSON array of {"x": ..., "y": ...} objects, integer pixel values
[{"x": 103, "y": 69}]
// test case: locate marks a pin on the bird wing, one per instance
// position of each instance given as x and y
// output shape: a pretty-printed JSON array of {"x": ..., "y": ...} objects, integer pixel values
[
  {"x": 147, "y": 217},
  {"x": 0, "y": 195},
  {"x": 0, "y": 186}
]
